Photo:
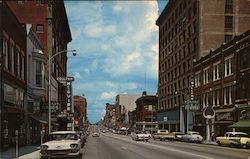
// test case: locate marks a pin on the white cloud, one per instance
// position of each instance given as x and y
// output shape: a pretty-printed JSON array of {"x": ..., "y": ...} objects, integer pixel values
[
  {"x": 119, "y": 8},
  {"x": 108, "y": 95},
  {"x": 77, "y": 75}
]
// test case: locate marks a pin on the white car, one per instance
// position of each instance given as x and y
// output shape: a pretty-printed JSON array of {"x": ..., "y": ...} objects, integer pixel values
[
  {"x": 192, "y": 136},
  {"x": 62, "y": 144},
  {"x": 140, "y": 136},
  {"x": 233, "y": 139}
]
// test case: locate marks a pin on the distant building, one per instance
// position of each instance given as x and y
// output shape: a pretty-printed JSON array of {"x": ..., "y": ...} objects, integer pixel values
[
  {"x": 146, "y": 113},
  {"x": 125, "y": 103},
  {"x": 109, "y": 118},
  {"x": 222, "y": 83},
  {"x": 80, "y": 104},
  {"x": 188, "y": 30}
]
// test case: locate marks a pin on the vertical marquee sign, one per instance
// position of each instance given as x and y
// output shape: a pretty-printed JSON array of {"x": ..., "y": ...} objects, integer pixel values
[{"x": 68, "y": 82}]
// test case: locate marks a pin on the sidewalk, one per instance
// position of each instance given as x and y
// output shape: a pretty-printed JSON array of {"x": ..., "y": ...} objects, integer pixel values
[
  {"x": 11, "y": 153},
  {"x": 210, "y": 142}
]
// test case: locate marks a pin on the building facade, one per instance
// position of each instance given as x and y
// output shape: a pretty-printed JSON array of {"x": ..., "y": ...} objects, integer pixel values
[
  {"x": 13, "y": 78},
  {"x": 146, "y": 113},
  {"x": 80, "y": 104},
  {"x": 188, "y": 30},
  {"x": 222, "y": 84},
  {"x": 49, "y": 21}
]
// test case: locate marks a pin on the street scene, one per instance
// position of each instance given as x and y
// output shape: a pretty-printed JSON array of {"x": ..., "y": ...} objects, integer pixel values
[{"x": 125, "y": 79}]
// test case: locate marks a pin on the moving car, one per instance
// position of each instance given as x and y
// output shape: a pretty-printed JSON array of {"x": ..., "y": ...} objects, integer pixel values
[
  {"x": 192, "y": 136},
  {"x": 61, "y": 144},
  {"x": 233, "y": 139},
  {"x": 95, "y": 134},
  {"x": 140, "y": 136}
]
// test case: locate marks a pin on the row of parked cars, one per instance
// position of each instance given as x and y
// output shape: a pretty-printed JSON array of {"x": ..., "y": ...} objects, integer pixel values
[
  {"x": 232, "y": 139},
  {"x": 64, "y": 144}
]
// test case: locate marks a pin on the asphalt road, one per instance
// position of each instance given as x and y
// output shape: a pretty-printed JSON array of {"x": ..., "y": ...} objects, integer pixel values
[{"x": 112, "y": 146}]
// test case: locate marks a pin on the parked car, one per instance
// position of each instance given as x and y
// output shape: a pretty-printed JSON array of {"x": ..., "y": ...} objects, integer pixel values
[
  {"x": 162, "y": 135},
  {"x": 233, "y": 139},
  {"x": 95, "y": 134},
  {"x": 192, "y": 136},
  {"x": 178, "y": 136},
  {"x": 140, "y": 136},
  {"x": 61, "y": 144}
]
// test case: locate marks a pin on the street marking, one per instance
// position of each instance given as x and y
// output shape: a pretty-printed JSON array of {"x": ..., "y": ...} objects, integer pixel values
[
  {"x": 166, "y": 148},
  {"x": 124, "y": 148}
]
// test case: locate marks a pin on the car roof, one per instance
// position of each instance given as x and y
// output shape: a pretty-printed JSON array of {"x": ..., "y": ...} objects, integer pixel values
[
  {"x": 64, "y": 132},
  {"x": 236, "y": 133}
]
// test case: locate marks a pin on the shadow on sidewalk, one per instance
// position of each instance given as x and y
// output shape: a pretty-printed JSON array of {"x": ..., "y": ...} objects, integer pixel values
[{"x": 11, "y": 153}]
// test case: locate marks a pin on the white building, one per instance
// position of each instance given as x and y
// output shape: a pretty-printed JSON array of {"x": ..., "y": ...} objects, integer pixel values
[{"x": 127, "y": 103}]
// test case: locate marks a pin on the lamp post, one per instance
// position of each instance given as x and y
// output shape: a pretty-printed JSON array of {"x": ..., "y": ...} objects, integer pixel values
[{"x": 50, "y": 58}]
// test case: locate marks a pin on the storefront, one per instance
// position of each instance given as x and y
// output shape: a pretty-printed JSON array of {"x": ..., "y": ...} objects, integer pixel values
[
  {"x": 169, "y": 120},
  {"x": 223, "y": 118}
]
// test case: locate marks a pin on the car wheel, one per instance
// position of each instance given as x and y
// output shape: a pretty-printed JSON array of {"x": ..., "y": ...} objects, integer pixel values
[
  {"x": 231, "y": 145},
  {"x": 218, "y": 142}
]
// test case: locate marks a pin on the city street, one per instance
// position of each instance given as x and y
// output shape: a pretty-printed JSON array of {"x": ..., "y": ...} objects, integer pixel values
[{"x": 112, "y": 146}]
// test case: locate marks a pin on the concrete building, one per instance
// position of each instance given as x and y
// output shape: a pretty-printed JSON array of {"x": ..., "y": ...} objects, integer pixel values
[
  {"x": 109, "y": 118},
  {"x": 146, "y": 113},
  {"x": 126, "y": 103},
  {"x": 188, "y": 30},
  {"x": 222, "y": 84},
  {"x": 49, "y": 21},
  {"x": 12, "y": 78}
]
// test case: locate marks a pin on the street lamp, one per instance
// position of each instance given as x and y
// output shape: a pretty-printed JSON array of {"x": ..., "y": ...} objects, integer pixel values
[{"x": 50, "y": 58}]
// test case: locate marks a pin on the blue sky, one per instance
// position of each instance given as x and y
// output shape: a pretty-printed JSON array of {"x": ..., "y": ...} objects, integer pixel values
[{"x": 117, "y": 50}]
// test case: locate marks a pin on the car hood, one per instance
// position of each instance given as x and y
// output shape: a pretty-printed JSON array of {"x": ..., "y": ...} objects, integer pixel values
[{"x": 61, "y": 144}]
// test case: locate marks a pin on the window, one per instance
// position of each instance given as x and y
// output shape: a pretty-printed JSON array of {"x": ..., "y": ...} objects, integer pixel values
[
  {"x": 216, "y": 71},
  {"x": 12, "y": 63},
  {"x": 229, "y": 6},
  {"x": 228, "y": 95},
  {"x": 39, "y": 74},
  {"x": 5, "y": 52},
  {"x": 20, "y": 1},
  {"x": 18, "y": 64},
  {"x": 216, "y": 98},
  {"x": 206, "y": 75},
  {"x": 39, "y": 28},
  {"x": 197, "y": 81},
  {"x": 228, "y": 66},
  {"x": 228, "y": 23},
  {"x": 205, "y": 100},
  {"x": 228, "y": 38}
]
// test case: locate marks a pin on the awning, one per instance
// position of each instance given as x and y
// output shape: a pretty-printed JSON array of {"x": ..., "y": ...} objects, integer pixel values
[
  {"x": 241, "y": 124},
  {"x": 39, "y": 119}
]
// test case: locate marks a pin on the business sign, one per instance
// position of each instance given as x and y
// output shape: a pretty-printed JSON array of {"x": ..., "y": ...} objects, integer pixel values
[
  {"x": 69, "y": 95},
  {"x": 65, "y": 79}
]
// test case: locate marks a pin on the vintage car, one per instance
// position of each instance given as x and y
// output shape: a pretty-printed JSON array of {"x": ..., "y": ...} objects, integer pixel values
[
  {"x": 234, "y": 139},
  {"x": 61, "y": 144},
  {"x": 192, "y": 136},
  {"x": 95, "y": 134},
  {"x": 140, "y": 136}
]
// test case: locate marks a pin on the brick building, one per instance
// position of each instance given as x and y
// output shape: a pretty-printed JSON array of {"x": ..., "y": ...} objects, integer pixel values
[
  {"x": 188, "y": 30},
  {"x": 222, "y": 84},
  {"x": 12, "y": 78},
  {"x": 146, "y": 113},
  {"x": 80, "y": 104},
  {"x": 49, "y": 21}
]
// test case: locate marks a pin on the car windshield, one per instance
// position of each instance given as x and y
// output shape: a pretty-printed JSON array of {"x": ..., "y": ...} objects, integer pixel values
[{"x": 63, "y": 137}]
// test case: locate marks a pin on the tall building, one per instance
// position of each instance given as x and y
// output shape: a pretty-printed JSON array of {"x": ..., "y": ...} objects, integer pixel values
[
  {"x": 12, "y": 78},
  {"x": 126, "y": 103},
  {"x": 188, "y": 30},
  {"x": 49, "y": 20}
]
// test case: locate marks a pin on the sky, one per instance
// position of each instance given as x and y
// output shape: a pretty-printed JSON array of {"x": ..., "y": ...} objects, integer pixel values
[{"x": 117, "y": 50}]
